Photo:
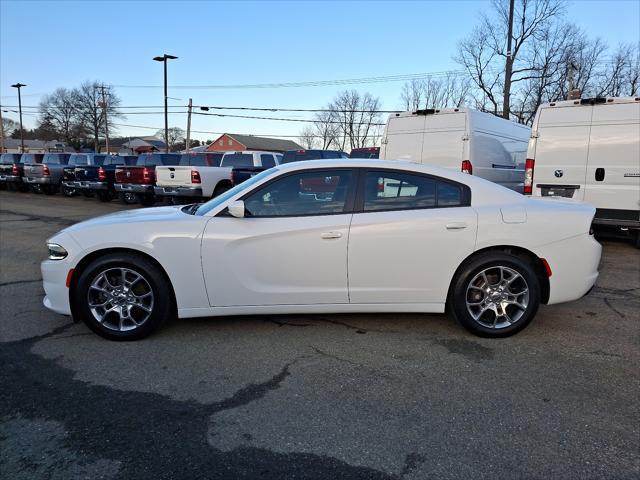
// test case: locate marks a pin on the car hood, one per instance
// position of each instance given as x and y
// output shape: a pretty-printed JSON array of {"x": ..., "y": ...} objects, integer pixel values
[{"x": 139, "y": 215}]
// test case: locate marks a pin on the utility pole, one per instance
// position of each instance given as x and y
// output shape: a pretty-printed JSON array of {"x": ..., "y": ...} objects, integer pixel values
[
  {"x": 19, "y": 86},
  {"x": 164, "y": 59},
  {"x": 508, "y": 68},
  {"x": 189, "y": 126},
  {"x": 106, "y": 122},
  {"x": 1, "y": 132}
]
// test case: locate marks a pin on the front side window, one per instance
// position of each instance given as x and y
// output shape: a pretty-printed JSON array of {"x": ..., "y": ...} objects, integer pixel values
[
  {"x": 308, "y": 193},
  {"x": 385, "y": 190}
]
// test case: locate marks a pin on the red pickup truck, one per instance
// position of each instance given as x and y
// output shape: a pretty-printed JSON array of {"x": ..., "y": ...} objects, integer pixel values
[{"x": 136, "y": 182}]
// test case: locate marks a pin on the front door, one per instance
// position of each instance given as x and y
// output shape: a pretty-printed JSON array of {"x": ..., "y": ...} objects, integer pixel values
[{"x": 289, "y": 249}]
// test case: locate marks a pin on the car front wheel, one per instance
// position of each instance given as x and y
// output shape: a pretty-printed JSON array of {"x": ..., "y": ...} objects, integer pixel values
[
  {"x": 495, "y": 295},
  {"x": 123, "y": 297}
]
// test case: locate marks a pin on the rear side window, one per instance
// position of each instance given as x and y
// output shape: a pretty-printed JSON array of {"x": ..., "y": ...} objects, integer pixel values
[
  {"x": 99, "y": 159},
  {"x": 237, "y": 160},
  {"x": 387, "y": 190},
  {"x": 192, "y": 160},
  {"x": 214, "y": 159},
  {"x": 267, "y": 160}
]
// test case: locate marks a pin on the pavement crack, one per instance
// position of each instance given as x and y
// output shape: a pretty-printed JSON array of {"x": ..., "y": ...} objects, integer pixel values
[
  {"x": 19, "y": 282},
  {"x": 280, "y": 323},
  {"x": 618, "y": 312}
]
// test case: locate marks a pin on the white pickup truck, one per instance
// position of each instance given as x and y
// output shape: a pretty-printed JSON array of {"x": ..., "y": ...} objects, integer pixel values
[{"x": 207, "y": 175}]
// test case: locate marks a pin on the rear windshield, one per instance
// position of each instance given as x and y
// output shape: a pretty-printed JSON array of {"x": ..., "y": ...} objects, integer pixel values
[
  {"x": 365, "y": 153},
  {"x": 159, "y": 159},
  {"x": 201, "y": 159},
  {"x": 60, "y": 158},
  {"x": 79, "y": 159},
  {"x": 237, "y": 160},
  {"x": 10, "y": 158},
  {"x": 301, "y": 155},
  {"x": 121, "y": 160},
  {"x": 31, "y": 158}
]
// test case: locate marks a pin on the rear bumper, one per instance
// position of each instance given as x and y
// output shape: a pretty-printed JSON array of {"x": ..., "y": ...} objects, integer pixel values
[
  {"x": 178, "y": 191},
  {"x": 37, "y": 180},
  {"x": 70, "y": 184},
  {"x": 11, "y": 178},
  {"x": 133, "y": 188},
  {"x": 574, "y": 265}
]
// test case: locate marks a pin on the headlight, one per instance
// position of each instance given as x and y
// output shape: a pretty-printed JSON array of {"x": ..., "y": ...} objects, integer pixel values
[{"x": 56, "y": 252}]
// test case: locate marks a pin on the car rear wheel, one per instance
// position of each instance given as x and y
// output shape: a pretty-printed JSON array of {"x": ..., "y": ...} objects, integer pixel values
[
  {"x": 495, "y": 295},
  {"x": 146, "y": 199},
  {"x": 104, "y": 195},
  {"x": 123, "y": 297},
  {"x": 220, "y": 189},
  {"x": 128, "y": 198}
]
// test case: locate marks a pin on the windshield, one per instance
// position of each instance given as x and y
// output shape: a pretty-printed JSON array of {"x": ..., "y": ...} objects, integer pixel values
[{"x": 215, "y": 202}]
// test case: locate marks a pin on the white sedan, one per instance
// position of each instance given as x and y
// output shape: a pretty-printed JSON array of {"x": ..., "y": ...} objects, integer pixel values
[{"x": 328, "y": 236}]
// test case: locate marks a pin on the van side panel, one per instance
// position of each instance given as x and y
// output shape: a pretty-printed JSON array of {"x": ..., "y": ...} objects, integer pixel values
[
  {"x": 561, "y": 149},
  {"x": 613, "y": 168},
  {"x": 403, "y": 139}
]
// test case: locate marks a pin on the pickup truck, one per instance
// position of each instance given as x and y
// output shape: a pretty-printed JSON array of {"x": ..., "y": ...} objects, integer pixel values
[
  {"x": 197, "y": 176},
  {"x": 138, "y": 181},
  {"x": 46, "y": 176},
  {"x": 245, "y": 165},
  {"x": 100, "y": 178},
  {"x": 69, "y": 184},
  {"x": 11, "y": 168},
  {"x": 301, "y": 155}
]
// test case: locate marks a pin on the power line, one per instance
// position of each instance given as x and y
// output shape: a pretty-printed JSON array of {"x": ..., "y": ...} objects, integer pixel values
[{"x": 281, "y": 119}]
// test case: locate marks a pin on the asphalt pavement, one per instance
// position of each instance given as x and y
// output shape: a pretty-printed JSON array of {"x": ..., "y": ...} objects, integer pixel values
[{"x": 388, "y": 396}]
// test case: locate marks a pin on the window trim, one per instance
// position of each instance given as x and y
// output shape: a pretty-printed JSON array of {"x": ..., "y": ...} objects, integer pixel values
[
  {"x": 348, "y": 204},
  {"x": 359, "y": 200}
]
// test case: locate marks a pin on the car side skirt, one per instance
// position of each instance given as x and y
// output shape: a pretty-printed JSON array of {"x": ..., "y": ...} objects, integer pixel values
[{"x": 313, "y": 309}]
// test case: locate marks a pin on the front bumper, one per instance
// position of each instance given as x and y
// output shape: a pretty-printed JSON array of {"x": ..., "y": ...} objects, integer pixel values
[
  {"x": 37, "y": 180},
  {"x": 11, "y": 178},
  {"x": 178, "y": 191},
  {"x": 133, "y": 188}
]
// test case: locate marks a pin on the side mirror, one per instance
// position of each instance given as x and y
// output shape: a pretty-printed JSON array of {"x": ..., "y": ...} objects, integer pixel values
[{"x": 236, "y": 209}]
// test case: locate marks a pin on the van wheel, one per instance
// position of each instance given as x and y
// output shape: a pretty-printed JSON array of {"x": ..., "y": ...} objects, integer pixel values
[
  {"x": 495, "y": 295},
  {"x": 123, "y": 296}
]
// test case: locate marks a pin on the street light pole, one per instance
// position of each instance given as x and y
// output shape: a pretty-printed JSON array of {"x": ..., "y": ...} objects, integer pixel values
[
  {"x": 164, "y": 59},
  {"x": 19, "y": 86}
]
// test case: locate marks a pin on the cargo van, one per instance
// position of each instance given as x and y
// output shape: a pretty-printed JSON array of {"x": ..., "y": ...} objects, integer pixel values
[
  {"x": 470, "y": 141},
  {"x": 589, "y": 150}
]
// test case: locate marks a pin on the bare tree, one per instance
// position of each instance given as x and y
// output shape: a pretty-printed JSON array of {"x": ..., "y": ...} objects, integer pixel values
[
  {"x": 9, "y": 125},
  {"x": 326, "y": 129},
  {"x": 484, "y": 53},
  {"x": 176, "y": 136},
  {"x": 620, "y": 77},
  {"x": 307, "y": 137},
  {"x": 356, "y": 116},
  {"x": 93, "y": 105},
  {"x": 59, "y": 111},
  {"x": 450, "y": 91}
]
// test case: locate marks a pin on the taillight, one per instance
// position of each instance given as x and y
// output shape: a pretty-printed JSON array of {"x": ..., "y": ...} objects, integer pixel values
[
  {"x": 233, "y": 178},
  {"x": 195, "y": 176},
  {"x": 381, "y": 185},
  {"x": 529, "y": 165},
  {"x": 467, "y": 167},
  {"x": 102, "y": 175},
  {"x": 14, "y": 170},
  {"x": 45, "y": 170},
  {"x": 146, "y": 175}
]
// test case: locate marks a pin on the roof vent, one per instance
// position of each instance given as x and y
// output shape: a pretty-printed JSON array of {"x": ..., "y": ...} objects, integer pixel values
[{"x": 427, "y": 111}]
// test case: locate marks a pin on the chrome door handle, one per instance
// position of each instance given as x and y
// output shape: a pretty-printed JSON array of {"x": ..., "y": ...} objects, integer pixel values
[
  {"x": 329, "y": 235},
  {"x": 456, "y": 225}
]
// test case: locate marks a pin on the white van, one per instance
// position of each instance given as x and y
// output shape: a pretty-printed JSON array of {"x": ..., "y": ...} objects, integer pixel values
[
  {"x": 589, "y": 150},
  {"x": 460, "y": 138}
]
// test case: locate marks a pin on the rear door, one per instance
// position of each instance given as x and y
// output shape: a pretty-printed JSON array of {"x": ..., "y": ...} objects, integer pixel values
[
  {"x": 613, "y": 167},
  {"x": 562, "y": 148},
  {"x": 406, "y": 241},
  {"x": 443, "y": 143},
  {"x": 403, "y": 138}
]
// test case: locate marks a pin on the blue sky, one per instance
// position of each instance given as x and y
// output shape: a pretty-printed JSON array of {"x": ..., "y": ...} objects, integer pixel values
[{"x": 48, "y": 44}]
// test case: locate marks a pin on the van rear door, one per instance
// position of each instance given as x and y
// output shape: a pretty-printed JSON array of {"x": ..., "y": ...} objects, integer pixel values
[
  {"x": 403, "y": 138},
  {"x": 562, "y": 147},
  {"x": 613, "y": 168}
]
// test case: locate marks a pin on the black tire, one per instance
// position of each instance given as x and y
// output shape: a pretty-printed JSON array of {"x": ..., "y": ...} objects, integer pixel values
[
  {"x": 220, "y": 189},
  {"x": 87, "y": 193},
  {"x": 49, "y": 189},
  {"x": 493, "y": 263},
  {"x": 635, "y": 238},
  {"x": 104, "y": 195},
  {"x": 162, "y": 305},
  {"x": 128, "y": 198},
  {"x": 146, "y": 199},
  {"x": 11, "y": 187},
  {"x": 68, "y": 191},
  {"x": 21, "y": 187}
]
